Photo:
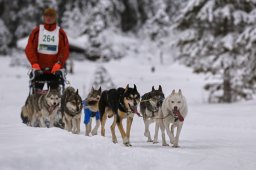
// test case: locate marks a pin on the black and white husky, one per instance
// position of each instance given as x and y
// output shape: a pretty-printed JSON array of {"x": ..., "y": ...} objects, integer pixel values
[
  {"x": 121, "y": 104},
  {"x": 150, "y": 104}
]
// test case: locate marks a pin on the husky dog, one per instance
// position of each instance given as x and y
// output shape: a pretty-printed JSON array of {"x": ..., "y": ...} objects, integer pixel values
[
  {"x": 120, "y": 103},
  {"x": 71, "y": 107},
  {"x": 174, "y": 110},
  {"x": 91, "y": 109},
  {"x": 41, "y": 109},
  {"x": 150, "y": 104}
]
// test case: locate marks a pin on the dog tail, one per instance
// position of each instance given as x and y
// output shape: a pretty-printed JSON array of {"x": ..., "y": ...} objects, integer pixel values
[{"x": 23, "y": 116}]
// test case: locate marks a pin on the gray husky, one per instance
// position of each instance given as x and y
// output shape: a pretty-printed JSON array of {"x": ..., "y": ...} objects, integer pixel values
[
  {"x": 174, "y": 110},
  {"x": 150, "y": 104},
  {"x": 91, "y": 109},
  {"x": 71, "y": 107},
  {"x": 40, "y": 110}
]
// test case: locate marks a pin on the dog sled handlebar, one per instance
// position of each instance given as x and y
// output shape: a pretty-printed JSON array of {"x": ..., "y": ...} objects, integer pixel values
[{"x": 34, "y": 73}]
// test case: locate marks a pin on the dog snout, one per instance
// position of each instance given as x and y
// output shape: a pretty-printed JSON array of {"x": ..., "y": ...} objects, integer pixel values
[
  {"x": 175, "y": 108},
  {"x": 54, "y": 103}
]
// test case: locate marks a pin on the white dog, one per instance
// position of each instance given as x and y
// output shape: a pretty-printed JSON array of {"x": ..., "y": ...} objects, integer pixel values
[{"x": 174, "y": 110}]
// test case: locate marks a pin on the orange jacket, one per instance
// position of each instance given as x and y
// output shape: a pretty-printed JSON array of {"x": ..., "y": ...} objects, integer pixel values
[{"x": 46, "y": 60}]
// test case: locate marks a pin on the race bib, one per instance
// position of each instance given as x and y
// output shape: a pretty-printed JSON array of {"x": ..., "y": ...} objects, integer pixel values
[{"x": 48, "y": 41}]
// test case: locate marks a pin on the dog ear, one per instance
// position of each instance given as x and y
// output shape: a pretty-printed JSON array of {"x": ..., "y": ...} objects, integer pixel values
[
  {"x": 153, "y": 88},
  {"x": 59, "y": 89},
  {"x": 77, "y": 91},
  {"x": 173, "y": 91},
  {"x": 126, "y": 88},
  {"x": 134, "y": 86},
  {"x": 99, "y": 89},
  {"x": 160, "y": 88},
  {"x": 180, "y": 93},
  {"x": 92, "y": 89},
  {"x": 49, "y": 89}
]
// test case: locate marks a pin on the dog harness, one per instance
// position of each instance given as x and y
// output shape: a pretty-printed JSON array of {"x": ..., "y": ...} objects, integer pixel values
[
  {"x": 48, "y": 41},
  {"x": 88, "y": 114}
]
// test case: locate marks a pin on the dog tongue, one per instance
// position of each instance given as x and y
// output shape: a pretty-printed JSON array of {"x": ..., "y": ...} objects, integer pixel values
[
  {"x": 53, "y": 108},
  {"x": 134, "y": 110},
  {"x": 180, "y": 117}
]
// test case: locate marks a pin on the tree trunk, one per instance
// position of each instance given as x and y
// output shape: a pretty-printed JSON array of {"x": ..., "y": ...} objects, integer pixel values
[
  {"x": 129, "y": 17},
  {"x": 227, "y": 90}
]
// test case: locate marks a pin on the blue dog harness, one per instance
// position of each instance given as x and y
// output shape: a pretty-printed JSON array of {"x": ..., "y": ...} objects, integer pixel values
[{"x": 88, "y": 114}]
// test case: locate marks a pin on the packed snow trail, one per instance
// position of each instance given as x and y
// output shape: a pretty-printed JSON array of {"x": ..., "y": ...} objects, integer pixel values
[{"x": 215, "y": 137}]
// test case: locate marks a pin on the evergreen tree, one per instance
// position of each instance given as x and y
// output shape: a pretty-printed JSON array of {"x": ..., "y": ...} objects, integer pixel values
[
  {"x": 157, "y": 26},
  {"x": 5, "y": 38},
  {"x": 93, "y": 18},
  {"x": 174, "y": 8},
  {"x": 74, "y": 19},
  {"x": 102, "y": 79},
  {"x": 210, "y": 44},
  {"x": 20, "y": 17}
]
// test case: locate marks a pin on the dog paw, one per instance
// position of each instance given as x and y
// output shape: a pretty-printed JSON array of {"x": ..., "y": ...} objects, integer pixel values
[
  {"x": 149, "y": 140},
  {"x": 172, "y": 141},
  {"x": 165, "y": 144},
  {"x": 127, "y": 144},
  {"x": 155, "y": 142},
  {"x": 175, "y": 146},
  {"x": 75, "y": 131},
  {"x": 94, "y": 132},
  {"x": 114, "y": 141},
  {"x": 125, "y": 140}
]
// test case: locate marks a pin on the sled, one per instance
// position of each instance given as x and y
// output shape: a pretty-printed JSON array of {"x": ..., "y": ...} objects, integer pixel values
[{"x": 34, "y": 79}]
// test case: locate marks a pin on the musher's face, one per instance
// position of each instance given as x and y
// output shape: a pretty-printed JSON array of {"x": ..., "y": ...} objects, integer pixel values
[{"x": 48, "y": 19}]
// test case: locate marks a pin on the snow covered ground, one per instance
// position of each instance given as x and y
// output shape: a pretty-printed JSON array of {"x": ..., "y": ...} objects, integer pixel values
[{"x": 216, "y": 136}]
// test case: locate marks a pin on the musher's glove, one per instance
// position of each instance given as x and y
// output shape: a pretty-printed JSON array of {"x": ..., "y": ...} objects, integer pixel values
[
  {"x": 36, "y": 67},
  {"x": 56, "y": 67}
]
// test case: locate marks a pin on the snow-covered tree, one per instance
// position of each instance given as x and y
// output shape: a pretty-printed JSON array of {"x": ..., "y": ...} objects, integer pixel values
[
  {"x": 93, "y": 19},
  {"x": 74, "y": 19},
  {"x": 20, "y": 17},
  {"x": 213, "y": 32},
  {"x": 5, "y": 38},
  {"x": 102, "y": 79},
  {"x": 174, "y": 8},
  {"x": 158, "y": 24}
]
